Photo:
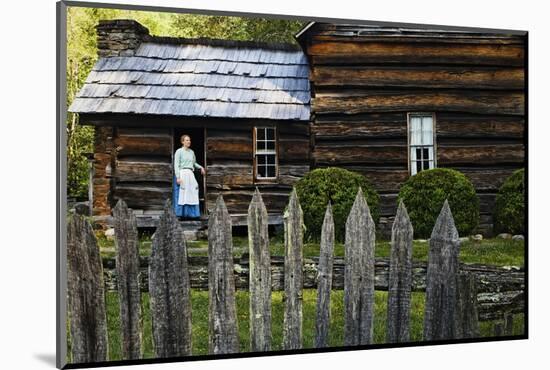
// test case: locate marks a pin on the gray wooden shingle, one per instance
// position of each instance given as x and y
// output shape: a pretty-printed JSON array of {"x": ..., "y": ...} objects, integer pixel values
[{"x": 199, "y": 80}]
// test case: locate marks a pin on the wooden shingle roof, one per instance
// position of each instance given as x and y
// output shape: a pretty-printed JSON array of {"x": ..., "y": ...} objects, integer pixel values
[{"x": 200, "y": 78}]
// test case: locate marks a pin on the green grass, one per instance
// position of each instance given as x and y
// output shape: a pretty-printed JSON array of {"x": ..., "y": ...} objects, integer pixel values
[
  {"x": 489, "y": 251},
  {"x": 199, "y": 302},
  {"x": 497, "y": 252}
]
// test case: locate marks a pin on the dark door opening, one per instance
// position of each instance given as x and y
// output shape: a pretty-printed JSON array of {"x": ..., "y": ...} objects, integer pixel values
[{"x": 198, "y": 146}]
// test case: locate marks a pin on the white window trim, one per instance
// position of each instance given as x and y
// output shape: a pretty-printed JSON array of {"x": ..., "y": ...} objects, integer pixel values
[
  {"x": 273, "y": 151},
  {"x": 409, "y": 138}
]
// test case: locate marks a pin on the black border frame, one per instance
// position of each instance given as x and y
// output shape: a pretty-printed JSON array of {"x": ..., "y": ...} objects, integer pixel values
[{"x": 61, "y": 189}]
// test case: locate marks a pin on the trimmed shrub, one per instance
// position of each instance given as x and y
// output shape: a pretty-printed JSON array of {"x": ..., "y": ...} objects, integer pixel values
[
  {"x": 339, "y": 186},
  {"x": 425, "y": 193},
  {"x": 509, "y": 211}
]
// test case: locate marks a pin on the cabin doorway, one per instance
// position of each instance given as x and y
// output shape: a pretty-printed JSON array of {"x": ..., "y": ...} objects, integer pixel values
[{"x": 198, "y": 146}]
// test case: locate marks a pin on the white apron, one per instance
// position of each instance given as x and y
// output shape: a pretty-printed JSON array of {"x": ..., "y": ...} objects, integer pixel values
[{"x": 189, "y": 188}]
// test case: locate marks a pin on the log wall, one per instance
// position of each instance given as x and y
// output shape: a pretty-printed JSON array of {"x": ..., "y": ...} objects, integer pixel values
[
  {"x": 364, "y": 81},
  {"x": 230, "y": 164},
  {"x": 143, "y": 168},
  {"x": 138, "y": 153},
  {"x": 102, "y": 171}
]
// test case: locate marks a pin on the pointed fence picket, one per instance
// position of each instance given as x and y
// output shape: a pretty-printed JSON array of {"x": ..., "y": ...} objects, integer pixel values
[
  {"x": 440, "y": 311},
  {"x": 400, "y": 280},
  {"x": 127, "y": 268},
  {"x": 451, "y": 310},
  {"x": 260, "y": 275},
  {"x": 222, "y": 311},
  {"x": 292, "y": 320},
  {"x": 359, "y": 274},
  {"x": 324, "y": 280},
  {"x": 88, "y": 321},
  {"x": 169, "y": 288}
]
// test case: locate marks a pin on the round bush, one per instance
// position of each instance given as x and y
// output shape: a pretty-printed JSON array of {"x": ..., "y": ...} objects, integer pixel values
[
  {"x": 509, "y": 211},
  {"x": 339, "y": 186},
  {"x": 424, "y": 194}
]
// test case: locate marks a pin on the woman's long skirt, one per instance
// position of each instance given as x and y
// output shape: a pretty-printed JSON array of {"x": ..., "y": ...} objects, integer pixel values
[{"x": 186, "y": 210}]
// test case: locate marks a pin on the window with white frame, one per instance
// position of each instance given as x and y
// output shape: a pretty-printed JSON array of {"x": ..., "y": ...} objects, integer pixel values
[
  {"x": 421, "y": 142},
  {"x": 265, "y": 153}
]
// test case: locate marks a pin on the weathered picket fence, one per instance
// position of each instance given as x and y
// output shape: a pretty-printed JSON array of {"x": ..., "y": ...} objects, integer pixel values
[{"x": 451, "y": 308}]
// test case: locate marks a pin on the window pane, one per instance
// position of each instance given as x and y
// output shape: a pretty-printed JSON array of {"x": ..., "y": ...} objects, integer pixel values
[
  {"x": 262, "y": 171},
  {"x": 416, "y": 130},
  {"x": 431, "y": 153},
  {"x": 418, "y": 154},
  {"x": 418, "y": 166},
  {"x": 427, "y": 130},
  {"x": 266, "y": 157}
]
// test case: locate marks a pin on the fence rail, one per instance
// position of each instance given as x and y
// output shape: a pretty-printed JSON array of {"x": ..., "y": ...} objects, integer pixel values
[{"x": 457, "y": 295}]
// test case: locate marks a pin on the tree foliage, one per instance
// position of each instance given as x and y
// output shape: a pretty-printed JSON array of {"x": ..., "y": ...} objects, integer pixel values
[
  {"x": 509, "y": 211},
  {"x": 425, "y": 193},
  {"x": 339, "y": 187},
  {"x": 82, "y": 55}
]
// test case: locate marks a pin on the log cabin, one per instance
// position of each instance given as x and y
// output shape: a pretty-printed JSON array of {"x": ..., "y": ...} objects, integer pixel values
[
  {"x": 244, "y": 104},
  {"x": 383, "y": 101},
  {"x": 389, "y": 102}
]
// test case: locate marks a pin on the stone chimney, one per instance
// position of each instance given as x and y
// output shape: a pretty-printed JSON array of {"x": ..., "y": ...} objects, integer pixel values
[{"x": 119, "y": 37}]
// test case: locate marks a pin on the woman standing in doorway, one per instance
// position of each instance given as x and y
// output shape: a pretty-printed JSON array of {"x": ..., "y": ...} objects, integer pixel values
[{"x": 186, "y": 188}]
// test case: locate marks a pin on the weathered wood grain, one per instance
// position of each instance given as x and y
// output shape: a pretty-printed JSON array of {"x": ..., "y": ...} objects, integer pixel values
[
  {"x": 102, "y": 165},
  {"x": 260, "y": 275},
  {"x": 440, "y": 313},
  {"x": 425, "y": 76},
  {"x": 500, "y": 289},
  {"x": 324, "y": 280},
  {"x": 129, "y": 170},
  {"x": 292, "y": 151},
  {"x": 222, "y": 312},
  {"x": 127, "y": 266},
  {"x": 359, "y": 274},
  {"x": 138, "y": 196},
  {"x": 436, "y": 53},
  {"x": 234, "y": 147},
  {"x": 357, "y": 33},
  {"x": 487, "y": 179},
  {"x": 489, "y": 278},
  {"x": 143, "y": 131},
  {"x": 169, "y": 288},
  {"x": 479, "y": 126},
  {"x": 293, "y": 278},
  {"x": 140, "y": 145},
  {"x": 290, "y": 173},
  {"x": 484, "y": 102},
  {"x": 399, "y": 284},
  {"x": 370, "y": 127},
  {"x": 86, "y": 300},
  {"x": 481, "y": 155},
  {"x": 467, "y": 324},
  {"x": 230, "y": 176},
  {"x": 348, "y": 34},
  {"x": 388, "y": 179},
  {"x": 359, "y": 154}
]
